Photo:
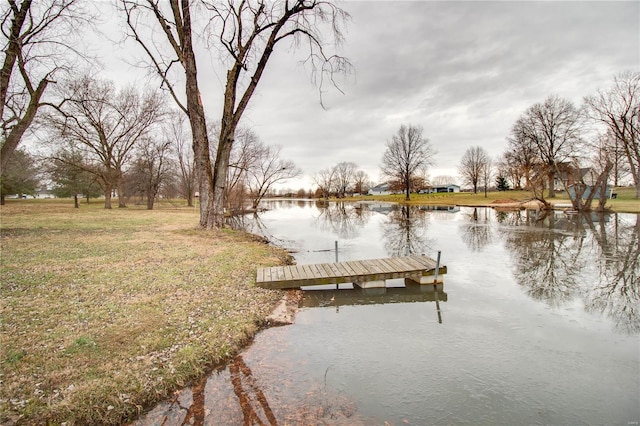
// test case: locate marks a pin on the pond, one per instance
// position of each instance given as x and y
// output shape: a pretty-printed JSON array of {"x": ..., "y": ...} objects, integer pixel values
[{"x": 538, "y": 323}]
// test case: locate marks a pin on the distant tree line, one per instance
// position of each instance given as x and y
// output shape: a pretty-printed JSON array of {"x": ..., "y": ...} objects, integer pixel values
[{"x": 341, "y": 180}]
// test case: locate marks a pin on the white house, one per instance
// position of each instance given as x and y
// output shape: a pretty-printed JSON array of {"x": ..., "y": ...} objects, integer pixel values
[{"x": 440, "y": 188}]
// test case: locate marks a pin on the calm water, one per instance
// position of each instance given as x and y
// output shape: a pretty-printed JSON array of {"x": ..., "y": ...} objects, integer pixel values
[{"x": 539, "y": 323}]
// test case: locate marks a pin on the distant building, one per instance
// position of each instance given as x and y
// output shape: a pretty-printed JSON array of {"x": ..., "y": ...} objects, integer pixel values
[
  {"x": 382, "y": 189},
  {"x": 440, "y": 188},
  {"x": 44, "y": 193}
]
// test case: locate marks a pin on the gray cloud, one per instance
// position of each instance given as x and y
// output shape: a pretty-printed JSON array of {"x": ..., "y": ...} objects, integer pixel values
[{"x": 462, "y": 70}]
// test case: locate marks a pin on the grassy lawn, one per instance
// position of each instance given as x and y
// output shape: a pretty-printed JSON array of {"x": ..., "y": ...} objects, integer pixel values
[
  {"x": 104, "y": 312},
  {"x": 625, "y": 201}
]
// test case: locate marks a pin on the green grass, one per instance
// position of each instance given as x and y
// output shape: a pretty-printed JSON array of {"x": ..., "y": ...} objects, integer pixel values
[{"x": 105, "y": 312}]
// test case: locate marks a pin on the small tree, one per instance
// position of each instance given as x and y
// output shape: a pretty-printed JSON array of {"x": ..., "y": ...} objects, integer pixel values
[
  {"x": 473, "y": 166},
  {"x": 325, "y": 181},
  {"x": 151, "y": 168},
  {"x": 502, "y": 184},
  {"x": 408, "y": 154},
  {"x": 344, "y": 175},
  {"x": 71, "y": 177},
  {"x": 20, "y": 176},
  {"x": 186, "y": 176},
  {"x": 487, "y": 173},
  {"x": 270, "y": 169},
  {"x": 362, "y": 183}
]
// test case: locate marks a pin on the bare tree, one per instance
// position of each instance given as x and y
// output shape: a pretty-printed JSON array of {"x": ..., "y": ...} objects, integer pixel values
[
  {"x": 361, "y": 182},
  {"x": 521, "y": 156},
  {"x": 608, "y": 147},
  {"x": 487, "y": 175},
  {"x": 246, "y": 33},
  {"x": 553, "y": 127},
  {"x": 618, "y": 108},
  {"x": 325, "y": 181},
  {"x": 269, "y": 170},
  {"x": 472, "y": 166},
  {"x": 152, "y": 167},
  {"x": 106, "y": 125},
  {"x": 39, "y": 41},
  {"x": 246, "y": 155},
  {"x": 344, "y": 174},
  {"x": 184, "y": 156},
  {"x": 408, "y": 153}
]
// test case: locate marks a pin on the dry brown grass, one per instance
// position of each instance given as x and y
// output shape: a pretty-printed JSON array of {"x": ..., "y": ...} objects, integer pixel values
[{"x": 106, "y": 312}]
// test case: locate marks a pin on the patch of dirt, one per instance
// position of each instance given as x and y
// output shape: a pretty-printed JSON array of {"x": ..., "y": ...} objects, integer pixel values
[{"x": 504, "y": 201}]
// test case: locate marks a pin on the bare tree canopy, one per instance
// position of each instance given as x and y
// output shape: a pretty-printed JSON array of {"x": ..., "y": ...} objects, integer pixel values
[
  {"x": 361, "y": 182},
  {"x": 40, "y": 39},
  {"x": 618, "y": 108},
  {"x": 344, "y": 175},
  {"x": 553, "y": 129},
  {"x": 246, "y": 34},
  {"x": 325, "y": 180},
  {"x": 472, "y": 166},
  {"x": 105, "y": 125},
  {"x": 521, "y": 157},
  {"x": 408, "y": 153},
  {"x": 269, "y": 170},
  {"x": 151, "y": 168},
  {"x": 181, "y": 138}
]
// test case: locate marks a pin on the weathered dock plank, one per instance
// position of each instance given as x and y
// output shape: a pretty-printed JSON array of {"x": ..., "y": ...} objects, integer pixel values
[{"x": 293, "y": 276}]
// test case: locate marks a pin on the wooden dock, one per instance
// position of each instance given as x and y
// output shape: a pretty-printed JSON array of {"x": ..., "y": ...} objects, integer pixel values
[{"x": 364, "y": 273}]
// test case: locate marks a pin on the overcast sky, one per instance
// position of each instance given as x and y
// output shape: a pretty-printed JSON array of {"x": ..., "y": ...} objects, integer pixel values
[{"x": 464, "y": 71}]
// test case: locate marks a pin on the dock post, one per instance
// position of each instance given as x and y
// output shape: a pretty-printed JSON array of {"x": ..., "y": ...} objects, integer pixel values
[
  {"x": 336, "y": 244},
  {"x": 435, "y": 277},
  {"x": 435, "y": 289}
]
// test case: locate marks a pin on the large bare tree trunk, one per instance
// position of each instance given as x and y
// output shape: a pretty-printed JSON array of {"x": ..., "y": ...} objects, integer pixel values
[
  {"x": 197, "y": 121},
  {"x": 220, "y": 177},
  {"x": 551, "y": 182},
  {"x": 107, "y": 196}
]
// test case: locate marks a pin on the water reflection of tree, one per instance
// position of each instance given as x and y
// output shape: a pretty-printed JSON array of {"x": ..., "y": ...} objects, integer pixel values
[
  {"x": 592, "y": 256},
  {"x": 405, "y": 232},
  {"x": 253, "y": 401},
  {"x": 477, "y": 231},
  {"x": 342, "y": 219},
  {"x": 546, "y": 262},
  {"x": 618, "y": 293}
]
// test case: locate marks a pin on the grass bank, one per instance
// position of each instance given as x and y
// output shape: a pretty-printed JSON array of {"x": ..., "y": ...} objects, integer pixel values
[
  {"x": 105, "y": 312},
  {"x": 625, "y": 202}
]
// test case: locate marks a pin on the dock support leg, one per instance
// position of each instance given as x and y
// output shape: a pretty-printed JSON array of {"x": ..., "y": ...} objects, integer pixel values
[
  {"x": 426, "y": 283},
  {"x": 371, "y": 284}
]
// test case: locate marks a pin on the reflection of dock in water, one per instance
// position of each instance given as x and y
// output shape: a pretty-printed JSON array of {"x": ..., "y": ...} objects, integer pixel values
[{"x": 372, "y": 296}]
